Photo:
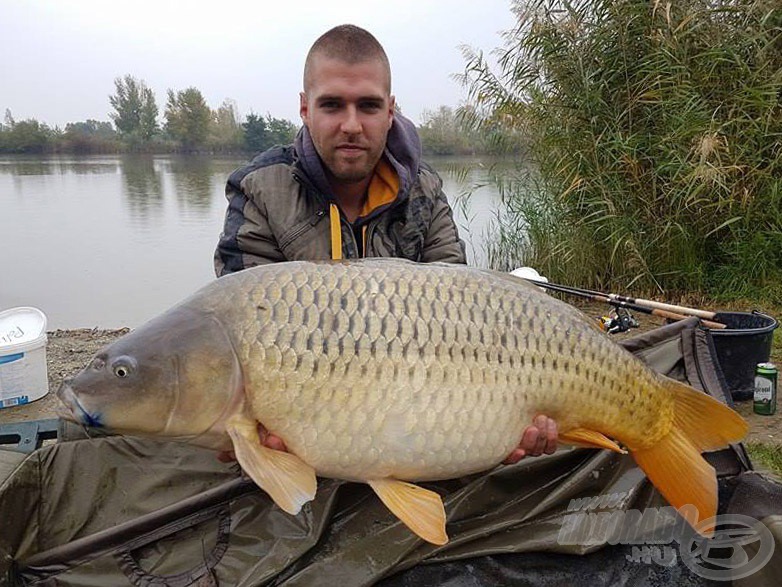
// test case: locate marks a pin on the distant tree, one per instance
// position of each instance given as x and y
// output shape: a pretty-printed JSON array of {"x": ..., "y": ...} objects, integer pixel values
[
  {"x": 442, "y": 134},
  {"x": 262, "y": 133},
  {"x": 148, "y": 126},
  {"x": 280, "y": 131},
  {"x": 226, "y": 131},
  {"x": 90, "y": 127},
  {"x": 26, "y": 136},
  {"x": 135, "y": 112},
  {"x": 90, "y": 136},
  {"x": 254, "y": 133},
  {"x": 188, "y": 117},
  {"x": 5, "y": 130}
]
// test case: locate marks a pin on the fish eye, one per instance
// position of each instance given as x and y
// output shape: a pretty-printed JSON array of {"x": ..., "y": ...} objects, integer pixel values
[{"x": 123, "y": 367}]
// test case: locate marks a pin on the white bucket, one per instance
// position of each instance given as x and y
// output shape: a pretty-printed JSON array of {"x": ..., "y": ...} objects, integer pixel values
[{"x": 23, "y": 375}]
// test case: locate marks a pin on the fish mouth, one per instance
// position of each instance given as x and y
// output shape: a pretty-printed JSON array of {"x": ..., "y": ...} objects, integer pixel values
[{"x": 70, "y": 408}]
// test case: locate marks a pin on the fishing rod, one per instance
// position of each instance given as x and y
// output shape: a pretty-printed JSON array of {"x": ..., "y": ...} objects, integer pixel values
[
  {"x": 628, "y": 303},
  {"x": 651, "y": 304},
  {"x": 663, "y": 306}
]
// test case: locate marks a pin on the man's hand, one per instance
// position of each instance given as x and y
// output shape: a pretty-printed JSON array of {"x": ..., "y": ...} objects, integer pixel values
[
  {"x": 537, "y": 439},
  {"x": 267, "y": 440}
]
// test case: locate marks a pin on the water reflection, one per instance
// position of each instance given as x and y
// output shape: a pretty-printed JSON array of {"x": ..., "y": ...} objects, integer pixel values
[
  {"x": 23, "y": 165},
  {"x": 18, "y": 167},
  {"x": 473, "y": 187},
  {"x": 143, "y": 189},
  {"x": 193, "y": 181},
  {"x": 125, "y": 237},
  {"x": 88, "y": 165}
]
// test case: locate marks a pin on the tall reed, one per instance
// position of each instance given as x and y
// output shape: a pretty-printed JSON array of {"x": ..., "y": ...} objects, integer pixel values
[{"x": 655, "y": 130}]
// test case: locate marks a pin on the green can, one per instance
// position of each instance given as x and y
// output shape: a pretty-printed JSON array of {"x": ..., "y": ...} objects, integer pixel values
[{"x": 765, "y": 399}]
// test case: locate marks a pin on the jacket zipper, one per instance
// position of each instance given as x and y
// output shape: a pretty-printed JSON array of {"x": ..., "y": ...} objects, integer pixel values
[
  {"x": 305, "y": 183},
  {"x": 354, "y": 252},
  {"x": 368, "y": 237},
  {"x": 314, "y": 219}
]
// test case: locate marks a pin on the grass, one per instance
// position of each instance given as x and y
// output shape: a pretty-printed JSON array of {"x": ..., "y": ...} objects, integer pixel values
[{"x": 766, "y": 456}]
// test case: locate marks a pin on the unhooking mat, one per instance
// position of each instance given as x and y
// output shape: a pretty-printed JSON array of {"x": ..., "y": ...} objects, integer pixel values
[{"x": 126, "y": 511}]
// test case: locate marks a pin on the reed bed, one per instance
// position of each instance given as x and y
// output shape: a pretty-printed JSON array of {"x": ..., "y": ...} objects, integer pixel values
[{"x": 654, "y": 133}]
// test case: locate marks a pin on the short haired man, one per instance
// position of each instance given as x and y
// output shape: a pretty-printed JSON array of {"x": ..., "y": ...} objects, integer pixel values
[{"x": 352, "y": 185}]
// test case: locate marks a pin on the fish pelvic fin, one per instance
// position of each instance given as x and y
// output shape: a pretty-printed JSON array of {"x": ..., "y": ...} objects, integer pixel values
[
  {"x": 288, "y": 480},
  {"x": 675, "y": 465},
  {"x": 589, "y": 439},
  {"x": 419, "y": 509}
]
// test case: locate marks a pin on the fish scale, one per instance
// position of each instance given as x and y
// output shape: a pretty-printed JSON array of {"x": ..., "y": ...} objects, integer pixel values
[
  {"x": 387, "y": 371},
  {"x": 466, "y": 343}
]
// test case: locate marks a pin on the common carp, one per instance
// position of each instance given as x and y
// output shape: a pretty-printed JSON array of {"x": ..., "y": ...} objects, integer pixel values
[{"x": 390, "y": 372}]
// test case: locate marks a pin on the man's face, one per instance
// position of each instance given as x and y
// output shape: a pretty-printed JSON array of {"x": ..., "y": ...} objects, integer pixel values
[{"x": 348, "y": 111}]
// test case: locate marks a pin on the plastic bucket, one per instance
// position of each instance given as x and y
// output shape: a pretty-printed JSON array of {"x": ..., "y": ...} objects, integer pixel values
[
  {"x": 741, "y": 346},
  {"x": 23, "y": 375}
]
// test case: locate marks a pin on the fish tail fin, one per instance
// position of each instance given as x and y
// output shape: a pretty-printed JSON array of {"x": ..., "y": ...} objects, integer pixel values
[{"x": 675, "y": 465}]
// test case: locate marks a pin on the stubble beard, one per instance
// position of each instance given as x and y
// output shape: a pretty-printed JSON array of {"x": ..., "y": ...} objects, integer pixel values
[{"x": 346, "y": 173}]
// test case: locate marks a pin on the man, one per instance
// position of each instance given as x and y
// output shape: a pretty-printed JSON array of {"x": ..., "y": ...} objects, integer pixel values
[{"x": 352, "y": 185}]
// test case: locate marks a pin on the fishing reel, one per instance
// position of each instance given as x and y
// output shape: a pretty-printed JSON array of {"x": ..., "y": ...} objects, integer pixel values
[{"x": 618, "y": 320}]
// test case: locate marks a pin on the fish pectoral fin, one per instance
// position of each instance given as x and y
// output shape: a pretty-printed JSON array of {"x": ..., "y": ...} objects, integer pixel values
[
  {"x": 590, "y": 439},
  {"x": 419, "y": 509},
  {"x": 288, "y": 480}
]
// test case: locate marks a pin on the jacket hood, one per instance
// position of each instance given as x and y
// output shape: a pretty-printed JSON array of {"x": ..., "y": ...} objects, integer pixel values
[{"x": 403, "y": 151}]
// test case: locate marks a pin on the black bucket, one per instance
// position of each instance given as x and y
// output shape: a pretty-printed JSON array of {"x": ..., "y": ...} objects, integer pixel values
[{"x": 741, "y": 346}]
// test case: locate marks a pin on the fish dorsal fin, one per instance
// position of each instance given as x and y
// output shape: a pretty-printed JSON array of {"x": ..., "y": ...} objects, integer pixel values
[
  {"x": 288, "y": 480},
  {"x": 589, "y": 439},
  {"x": 421, "y": 510}
]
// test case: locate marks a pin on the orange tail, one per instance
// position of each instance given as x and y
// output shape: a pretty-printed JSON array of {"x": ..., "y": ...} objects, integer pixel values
[{"x": 675, "y": 465}]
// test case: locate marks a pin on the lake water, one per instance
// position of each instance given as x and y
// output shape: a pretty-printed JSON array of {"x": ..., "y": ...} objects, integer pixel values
[{"x": 110, "y": 241}]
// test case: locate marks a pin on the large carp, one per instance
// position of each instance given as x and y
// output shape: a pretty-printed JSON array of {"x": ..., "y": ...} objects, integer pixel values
[{"x": 386, "y": 372}]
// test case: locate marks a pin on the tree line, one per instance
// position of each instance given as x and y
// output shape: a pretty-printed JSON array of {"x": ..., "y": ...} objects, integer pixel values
[
  {"x": 449, "y": 131},
  {"x": 188, "y": 125}
]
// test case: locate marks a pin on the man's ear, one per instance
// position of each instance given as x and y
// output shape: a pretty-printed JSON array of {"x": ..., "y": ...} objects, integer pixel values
[
  {"x": 391, "y": 109},
  {"x": 303, "y": 108}
]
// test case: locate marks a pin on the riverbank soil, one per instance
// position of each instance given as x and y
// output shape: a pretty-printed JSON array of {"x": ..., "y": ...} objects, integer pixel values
[{"x": 68, "y": 351}]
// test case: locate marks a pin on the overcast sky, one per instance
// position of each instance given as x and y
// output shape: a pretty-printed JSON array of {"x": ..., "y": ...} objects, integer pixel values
[{"x": 59, "y": 58}]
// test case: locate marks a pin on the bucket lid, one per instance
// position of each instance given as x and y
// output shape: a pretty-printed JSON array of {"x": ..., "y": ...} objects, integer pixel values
[{"x": 21, "y": 325}]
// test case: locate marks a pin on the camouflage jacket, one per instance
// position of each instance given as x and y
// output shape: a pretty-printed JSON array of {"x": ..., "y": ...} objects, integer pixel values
[{"x": 278, "y": 210}]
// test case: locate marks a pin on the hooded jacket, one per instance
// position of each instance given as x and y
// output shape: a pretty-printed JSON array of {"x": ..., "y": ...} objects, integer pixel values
[{"x": 279, "y": 209}]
